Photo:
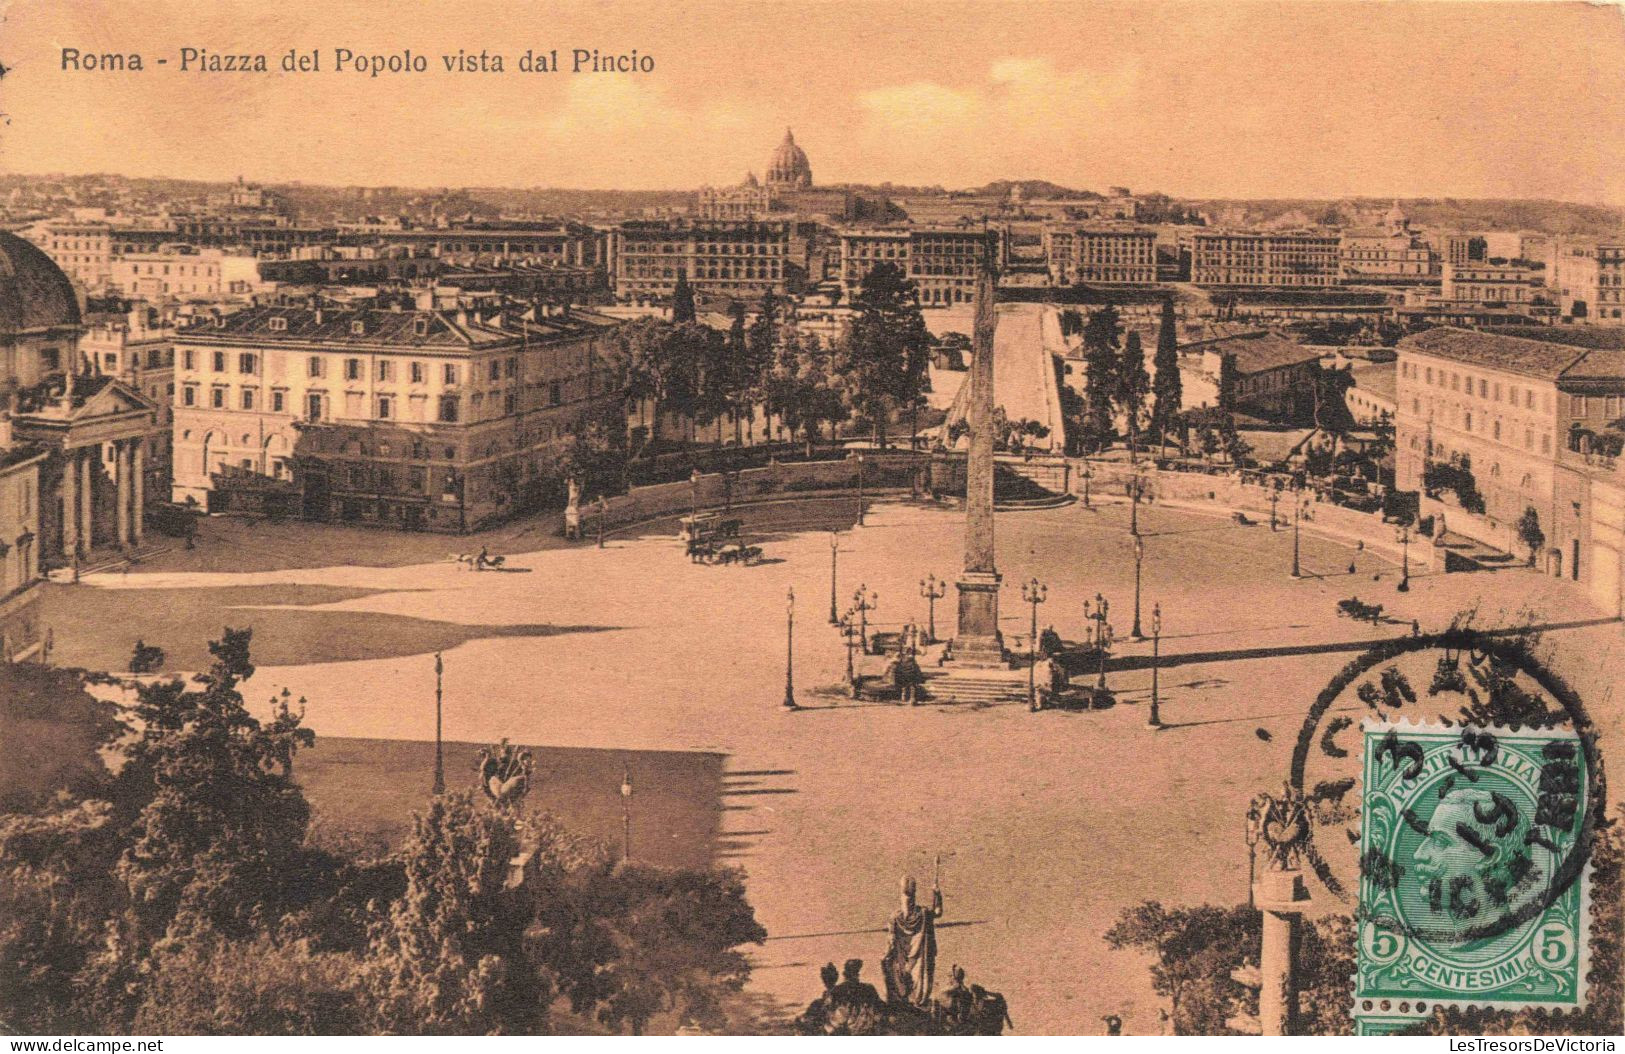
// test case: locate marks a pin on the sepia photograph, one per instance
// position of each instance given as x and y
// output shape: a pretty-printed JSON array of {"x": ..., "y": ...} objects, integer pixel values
[{"x": 741, "y": 518}]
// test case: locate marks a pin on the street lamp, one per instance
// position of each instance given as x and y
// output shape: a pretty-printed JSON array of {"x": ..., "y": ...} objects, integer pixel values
[
  {"x": 933, "y": 591},
  {"x": 1403, "y": 536},
  {"x": 1088, "y": 474},
  {"x": 439, "y": 753},
  {"x": 1134, "y": 504},
  {"x": 626, "y": 815},
  {"x": 790, "y": 650},
  {"x": 1033, "y": 592},
  {"x": 1155, "y": 719},
  {"x": 1139, "y": 558},
  {"x": 860, "y": 490},
  {"x": 1299, "y": 507},
  {"x": 863, "y": 602},
  {"x": 1275, "y": 499},
  {"x": 603, "y": 514},
  {"x": 834, "y": 550},
  {"x": 694, "y": 493},
  {"x": 849, "y": 631},
  {"x": 1103, "y": 631}
]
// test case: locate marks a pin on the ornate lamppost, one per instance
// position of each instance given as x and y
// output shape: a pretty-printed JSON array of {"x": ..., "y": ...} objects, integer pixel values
[
  {"x": 790, "y": 650},
  {"x": 1103, "y": 631},
  {"x": 863, "y": 602},
  {"x": 933, "y": 591},
  {"x": 1299, "y": 508},
  {"x": 1403, "y": 537},
  {"x": 1134, "y": 503},
  {"x": 1139, "y": 558},
  {"x": 834, "y": 551},
  {"x": 849, "y": 631},
  {"x": 1155, "y": 718},
  {"x": 439, "y": 754},
  {"x": 1033, "y": 592}
]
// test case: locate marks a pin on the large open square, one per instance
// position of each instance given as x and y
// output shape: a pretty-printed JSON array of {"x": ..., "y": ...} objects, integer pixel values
[{"x": 1047, "y": 824}]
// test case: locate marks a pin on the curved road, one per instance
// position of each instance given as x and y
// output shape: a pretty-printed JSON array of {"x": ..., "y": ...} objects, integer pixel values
[{"x": 1025, "y": 344}]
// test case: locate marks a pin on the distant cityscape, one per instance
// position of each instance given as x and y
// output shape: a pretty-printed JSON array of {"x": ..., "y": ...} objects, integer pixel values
[{"x": 434, "y": 353}]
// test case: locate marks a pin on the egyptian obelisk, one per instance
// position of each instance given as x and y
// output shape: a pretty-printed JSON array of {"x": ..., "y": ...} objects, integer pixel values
[{"x": 978, "y": 642}]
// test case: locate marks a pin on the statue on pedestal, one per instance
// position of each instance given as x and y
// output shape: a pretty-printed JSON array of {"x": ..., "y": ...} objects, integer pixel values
[
  {"x": 572, "y": 510},
  {"x": 911, "y": 960}
]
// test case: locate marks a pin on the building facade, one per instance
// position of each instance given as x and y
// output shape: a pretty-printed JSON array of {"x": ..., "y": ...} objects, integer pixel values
[
  {"x": 747, "y": 201},
  {"x": 1102, "y": 254},
  {"x": 1483, "y": 283},
  {"x": 942, "y": 261},
  {"x": 1587, "y": 278},
  {"x": 90, "y": 426},
  {"x": 1374, "y": 255},
  {"x": 1287, "y": 259},
  {"x": 20, "y": 631},
  {"x": 412, "y": 419},
  {"x": 742, "y": 259},
  {"x": 1511, "y": 411},
  {"x": 139, "y": 351}
]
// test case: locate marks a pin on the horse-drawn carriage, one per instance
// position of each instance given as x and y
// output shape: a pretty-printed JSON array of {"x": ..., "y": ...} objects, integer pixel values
[
  {"x": 708, "y": 526},
  {"x": 713, "y": 540}
]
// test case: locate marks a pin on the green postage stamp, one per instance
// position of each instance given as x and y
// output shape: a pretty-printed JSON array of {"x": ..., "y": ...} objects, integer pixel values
[{"x": 1473, "y": 884}]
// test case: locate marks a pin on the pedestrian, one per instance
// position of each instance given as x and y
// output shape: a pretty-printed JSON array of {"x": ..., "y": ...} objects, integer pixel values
[{"x": 1416, "y": 628}]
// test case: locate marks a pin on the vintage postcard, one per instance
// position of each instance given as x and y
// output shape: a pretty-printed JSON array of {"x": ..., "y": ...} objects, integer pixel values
[{"x": 744, "y": 518}]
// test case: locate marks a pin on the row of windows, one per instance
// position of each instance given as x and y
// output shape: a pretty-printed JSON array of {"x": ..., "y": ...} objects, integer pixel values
[{"x": 1486, "y": 389}]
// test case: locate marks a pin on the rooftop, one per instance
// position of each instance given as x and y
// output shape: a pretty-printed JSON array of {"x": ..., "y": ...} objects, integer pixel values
[
  {"x": 1258, "y": 351},
  {"x": 1532, "y": 358},
  {"x": 440, "y": 330}
]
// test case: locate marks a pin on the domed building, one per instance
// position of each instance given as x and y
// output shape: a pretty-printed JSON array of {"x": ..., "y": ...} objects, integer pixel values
[
  {"x": 789, "y": 170},
  {"x": 40, "y": 319},
  {"x": 86, "y": 433}
]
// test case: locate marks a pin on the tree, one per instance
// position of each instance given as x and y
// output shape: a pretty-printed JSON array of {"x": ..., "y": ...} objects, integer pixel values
[
  {"x": 1101, "y": 338},
  {"x": 202, "y": 831},
  {"x": 1132, "y": 387},
  {"x": 714, "y": 375},
  {"x": 1166, "y": 385},
  {"x": 1196, "y": 950},
  {"x": 886, "y": 348},
  {"x": 682, "y": 300},
  {"x": 216, "y": 823},
  {"x": 1330, "y": 390},
  {"x": 449, "y": 959},
  {"x": 632, "y": 942},
  {"x": 761, "y": 344},
  {"x": 736, "y": 376},
  {"x": 1529, "y": 532},
  {"x": 1229, "y": 381}
]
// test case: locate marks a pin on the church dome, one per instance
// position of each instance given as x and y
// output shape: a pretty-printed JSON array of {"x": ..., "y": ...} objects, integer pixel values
[
  {"x": 34, "y": 293},
  {"x": 789, "y": 167}
]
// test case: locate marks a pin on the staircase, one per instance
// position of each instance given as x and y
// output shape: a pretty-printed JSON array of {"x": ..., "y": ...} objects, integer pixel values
[{"x": 976, "y": 686}]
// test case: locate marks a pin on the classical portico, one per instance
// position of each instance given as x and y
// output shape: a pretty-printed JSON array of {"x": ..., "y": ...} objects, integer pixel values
[{"x": 93, "y": 487}]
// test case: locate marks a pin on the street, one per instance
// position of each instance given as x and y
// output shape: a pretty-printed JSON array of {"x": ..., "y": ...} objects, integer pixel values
[{"x": 1048, "y": 824}]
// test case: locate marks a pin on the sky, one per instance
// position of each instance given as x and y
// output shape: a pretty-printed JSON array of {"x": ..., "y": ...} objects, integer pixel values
[{"x": 1232, "y": 99}]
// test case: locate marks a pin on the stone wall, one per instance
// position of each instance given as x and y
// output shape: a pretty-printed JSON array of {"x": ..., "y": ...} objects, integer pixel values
[
  {"x": 1229, "y": 492},
  {"x": 883, "y": 473}
]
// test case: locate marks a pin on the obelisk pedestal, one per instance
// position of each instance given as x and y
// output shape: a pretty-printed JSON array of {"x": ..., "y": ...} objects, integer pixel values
[{"x": 979, "y": 642}]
